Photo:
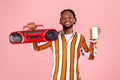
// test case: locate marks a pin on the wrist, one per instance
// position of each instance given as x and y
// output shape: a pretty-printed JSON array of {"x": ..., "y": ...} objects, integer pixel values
[{"x": 93, "y": 40}]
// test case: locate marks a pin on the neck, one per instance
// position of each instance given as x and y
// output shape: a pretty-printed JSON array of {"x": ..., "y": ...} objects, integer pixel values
[{"x": 68, "y": 31}]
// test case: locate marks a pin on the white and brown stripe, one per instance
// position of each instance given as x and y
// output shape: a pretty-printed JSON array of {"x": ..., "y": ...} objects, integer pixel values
[{"x": 66, "y": 55}]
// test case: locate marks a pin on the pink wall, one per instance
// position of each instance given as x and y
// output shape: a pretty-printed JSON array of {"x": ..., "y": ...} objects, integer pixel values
[{"x": 20, "y": 62}]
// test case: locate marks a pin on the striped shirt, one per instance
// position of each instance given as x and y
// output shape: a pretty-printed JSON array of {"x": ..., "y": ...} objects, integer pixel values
[{"x": 66, "y": 55}]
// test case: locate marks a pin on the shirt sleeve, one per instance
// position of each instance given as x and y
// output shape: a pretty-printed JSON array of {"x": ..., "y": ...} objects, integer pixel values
[
  {"x": 40, "y": 45},
  {"x": 88, "y": 51}
]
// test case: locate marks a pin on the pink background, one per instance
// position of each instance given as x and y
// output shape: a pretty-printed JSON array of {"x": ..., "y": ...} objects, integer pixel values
[{"x": 20, "y": 62}]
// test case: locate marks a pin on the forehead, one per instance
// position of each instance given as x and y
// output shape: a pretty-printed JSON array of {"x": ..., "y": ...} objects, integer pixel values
[{"x": 67, "y": 13}]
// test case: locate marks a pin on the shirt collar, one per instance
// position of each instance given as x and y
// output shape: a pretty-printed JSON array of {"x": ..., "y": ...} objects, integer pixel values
[{"x": 62, "y": 32}]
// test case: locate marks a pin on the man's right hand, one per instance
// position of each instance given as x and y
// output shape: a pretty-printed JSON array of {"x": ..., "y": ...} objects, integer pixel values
[{"x": 31, "y": 25}]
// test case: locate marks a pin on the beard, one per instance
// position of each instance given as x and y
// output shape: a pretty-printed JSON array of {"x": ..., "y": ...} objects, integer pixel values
[{"x": 67, "y": 27}]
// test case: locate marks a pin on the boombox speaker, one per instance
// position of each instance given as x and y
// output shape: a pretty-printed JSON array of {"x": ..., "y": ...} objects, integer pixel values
[{"x": 30, "y": 36}]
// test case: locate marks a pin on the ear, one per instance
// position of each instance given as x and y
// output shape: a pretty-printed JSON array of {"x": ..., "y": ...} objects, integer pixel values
[{"x": 75, "y": 21}]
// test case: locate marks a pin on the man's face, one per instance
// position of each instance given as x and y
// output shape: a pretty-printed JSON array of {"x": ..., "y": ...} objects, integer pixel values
[{"x": 67, "y": 20}]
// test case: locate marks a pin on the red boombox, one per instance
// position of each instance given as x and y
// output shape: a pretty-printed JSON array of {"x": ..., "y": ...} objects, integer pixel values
[{"x": 30, "y": 36}]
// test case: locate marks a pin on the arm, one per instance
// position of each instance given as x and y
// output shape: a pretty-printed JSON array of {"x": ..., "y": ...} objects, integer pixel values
[
  {"x": 88, "y": 51},
  {"x": 38, "y": 46}
]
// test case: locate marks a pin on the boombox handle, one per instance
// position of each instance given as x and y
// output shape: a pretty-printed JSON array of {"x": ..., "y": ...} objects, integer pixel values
[{"x": 35, "y": 26}]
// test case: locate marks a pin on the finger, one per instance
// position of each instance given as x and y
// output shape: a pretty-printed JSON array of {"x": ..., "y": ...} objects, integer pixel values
[
  {"x": 99, "y": 30},
  {"x": 31, "y": 23}
]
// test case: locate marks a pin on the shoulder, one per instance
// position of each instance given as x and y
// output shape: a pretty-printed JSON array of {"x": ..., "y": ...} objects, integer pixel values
[
  {"x": 81, "y": 37},
  {"x": 79, "y": 34}
]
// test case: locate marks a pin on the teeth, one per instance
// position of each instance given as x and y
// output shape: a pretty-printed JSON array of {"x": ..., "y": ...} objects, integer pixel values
[{"x": 67, "y": 23}]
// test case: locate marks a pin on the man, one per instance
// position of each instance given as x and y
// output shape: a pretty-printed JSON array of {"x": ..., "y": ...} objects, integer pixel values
[{"x": 67, "y": 48}]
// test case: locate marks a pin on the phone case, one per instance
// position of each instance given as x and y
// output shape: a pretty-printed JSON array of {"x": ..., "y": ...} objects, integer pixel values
[{"x": 94, "y": 32}]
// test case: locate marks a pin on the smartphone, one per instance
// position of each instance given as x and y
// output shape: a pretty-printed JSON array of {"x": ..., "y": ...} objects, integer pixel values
[{"x": 94, "y": 32}]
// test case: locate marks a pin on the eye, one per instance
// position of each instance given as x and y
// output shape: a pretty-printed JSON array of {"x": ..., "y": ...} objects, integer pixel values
[
  {"x": 64, "y": 18},
  {"x": 70, "y": 17}
]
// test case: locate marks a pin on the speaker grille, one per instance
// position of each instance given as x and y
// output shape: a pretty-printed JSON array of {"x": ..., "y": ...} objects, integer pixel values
[
  {"x": 51, "y": 35},
  {"x": 15, "y": 37}
]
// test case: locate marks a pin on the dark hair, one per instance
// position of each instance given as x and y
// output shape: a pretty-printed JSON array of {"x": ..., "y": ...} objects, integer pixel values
[{"x": 71, "y": 11}]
